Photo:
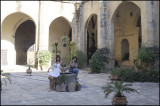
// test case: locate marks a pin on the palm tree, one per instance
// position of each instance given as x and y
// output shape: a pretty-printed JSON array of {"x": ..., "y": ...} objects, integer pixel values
[{"x": 118, "y": 88}]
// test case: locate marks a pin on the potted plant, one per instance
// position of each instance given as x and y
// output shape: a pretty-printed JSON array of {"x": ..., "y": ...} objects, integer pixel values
[
  {"x": 29, "y": 70},
  {"x": 114, "y": 74},
  {"x": 144, "y": 58},
  {"x": 97, "y": 62},
  {"x": 62, "y": 83},
  {"x": 118, "y": 88},
  {"x": 44, "y": 57},
  {"x": 5, "y": 76}
]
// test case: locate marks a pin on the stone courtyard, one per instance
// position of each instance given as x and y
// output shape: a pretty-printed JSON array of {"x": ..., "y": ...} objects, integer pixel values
[
  {"x": 116, "y": 29},
  {"x": 33, "y": 90}
]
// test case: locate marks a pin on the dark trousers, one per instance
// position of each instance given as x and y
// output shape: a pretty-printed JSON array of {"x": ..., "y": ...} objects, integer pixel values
[{"x": 74, "y": 70}]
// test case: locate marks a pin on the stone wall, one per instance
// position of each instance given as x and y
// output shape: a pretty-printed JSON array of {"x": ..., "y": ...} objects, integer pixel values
[{"x": 13, "y": 13}]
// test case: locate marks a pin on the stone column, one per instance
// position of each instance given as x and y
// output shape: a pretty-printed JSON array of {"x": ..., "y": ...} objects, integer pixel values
[
  {"x": 102, "y": 26},
  {"x": 105, "y": 43},
  {"x": 79, "y": 28},
  {"x": 148, "y": 23},
  {"x": 44, "y": 28},
  {"x": 77, "y": 13}
]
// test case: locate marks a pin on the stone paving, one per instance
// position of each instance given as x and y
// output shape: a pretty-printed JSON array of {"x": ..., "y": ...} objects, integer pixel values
[{"x": 33, "y": 90}]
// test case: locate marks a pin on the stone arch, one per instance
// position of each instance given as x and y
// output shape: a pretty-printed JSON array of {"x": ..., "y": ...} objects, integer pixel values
[
  {"x": 9, "y": 26},
  {"x": 20, "y": 12},
  {"x": 60, "y": 27},
  {"x": 123, "y": 20},
  {"x": 20, "y": 22},
  {"x": 25, "y": 42},
  {"x": 90, "y": 36},
  {"x": 67, "y": 20},
  {"x": 122, "y": 3}
]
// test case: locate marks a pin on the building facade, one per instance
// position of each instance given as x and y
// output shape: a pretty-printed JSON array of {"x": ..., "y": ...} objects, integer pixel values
[{"x": 117, "y": 28}]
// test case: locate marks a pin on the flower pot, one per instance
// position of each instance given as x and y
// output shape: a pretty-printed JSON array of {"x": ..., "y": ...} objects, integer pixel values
[
  {"x": 29, "y": 71},
  {"x": 113, "y": 78},
  {"x": 119, "y": 100}
]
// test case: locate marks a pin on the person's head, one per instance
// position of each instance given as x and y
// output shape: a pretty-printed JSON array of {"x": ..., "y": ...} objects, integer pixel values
[
  {"x": 74, "y": 58},
  {"x": 58, "y": 58}
]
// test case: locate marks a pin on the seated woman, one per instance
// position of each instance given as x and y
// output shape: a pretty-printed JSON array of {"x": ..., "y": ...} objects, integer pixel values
[
  {"x": 73, "y": 66},
  {"x": 56, "y": 68}
]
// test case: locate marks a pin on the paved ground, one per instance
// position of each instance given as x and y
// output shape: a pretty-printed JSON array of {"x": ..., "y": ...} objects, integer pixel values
[{"x": 32, "y": 90}]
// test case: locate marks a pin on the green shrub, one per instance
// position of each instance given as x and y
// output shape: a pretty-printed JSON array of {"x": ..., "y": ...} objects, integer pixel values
[
  {"x": 63, "y": 78},
  {"x": 82, "y": 59},
  {"x": 127, "y": 75},
  {"x": 44, "y": 57},
  {"x": 97, "y": 62},
  {"x": 114, "y": 72},
  {"x": 153, "y": 76},
  {"x": 130, "y": 75},
  {"x": 143, "y": 77},
  {"x": 144, "y": 58}
]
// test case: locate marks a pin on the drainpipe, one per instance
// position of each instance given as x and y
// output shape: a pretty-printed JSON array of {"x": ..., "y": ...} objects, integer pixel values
[{"x": 39, "y": 14}]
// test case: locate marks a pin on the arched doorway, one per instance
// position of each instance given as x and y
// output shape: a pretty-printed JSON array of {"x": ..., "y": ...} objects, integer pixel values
[
  {"x": 125, "y": 50},
  {"x": 127, "y": 32},
  {"x": 58, "y": 28},
  {"x": 10, "y": 25},
  {"x": 24, "y": 41},
  {"x": 91, "y": 32}
]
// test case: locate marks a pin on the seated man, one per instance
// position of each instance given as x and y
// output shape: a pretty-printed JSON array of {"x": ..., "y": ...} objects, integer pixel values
[{"x": 73, "y": 66}]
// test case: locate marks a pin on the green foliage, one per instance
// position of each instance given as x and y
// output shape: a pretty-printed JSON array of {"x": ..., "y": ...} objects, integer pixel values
[
  {"x": 118, "y": 88},
  {"x": 72, "y": 50},
  {"x": 131, "y": 75},
  {"x": 153, "y": 76},
  {"x": 97, "y": 62},
  {"x": 144, "y": 58},
  {"x": 64, "y": 39},
  {"x": 44, "y": 57},
  {"x": 5, "y": 77},
  {"x": 114, "y": 72},
  {"x": 63, "y": 78},
  {"x": 127, "y": 75},
  {"x": 82, "y": 59}
]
